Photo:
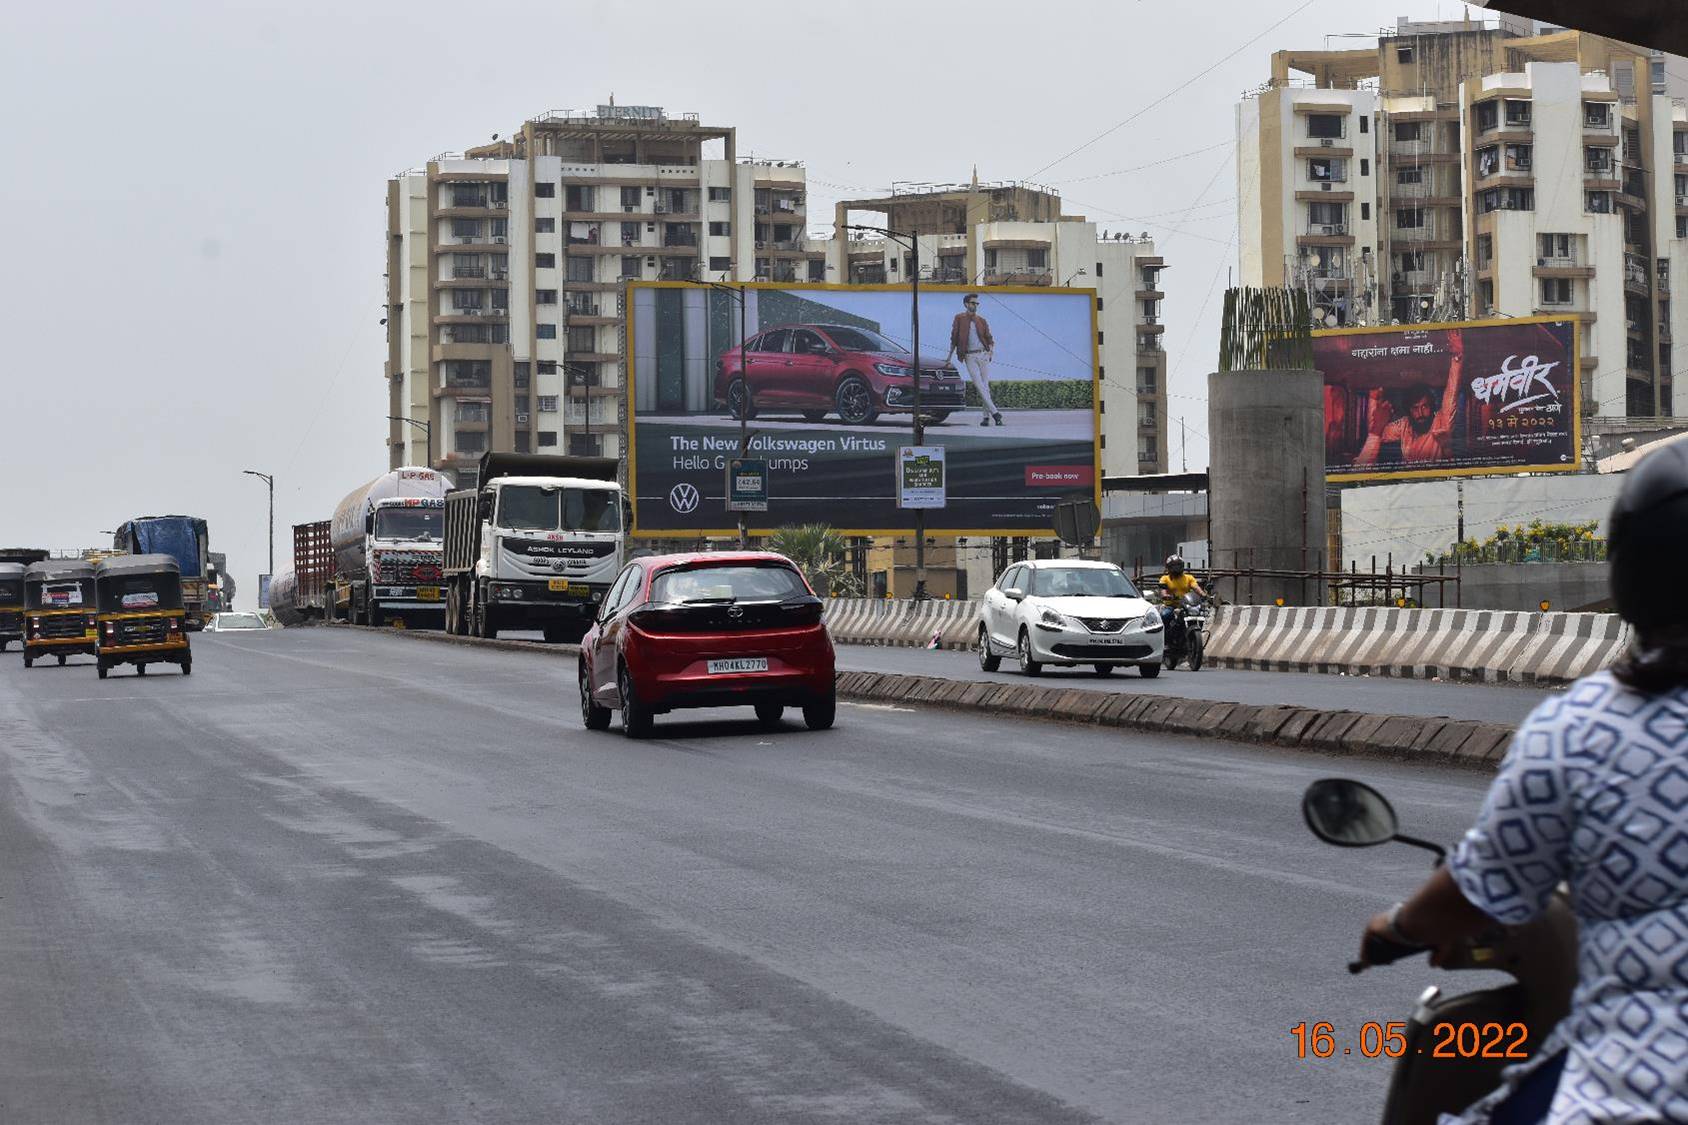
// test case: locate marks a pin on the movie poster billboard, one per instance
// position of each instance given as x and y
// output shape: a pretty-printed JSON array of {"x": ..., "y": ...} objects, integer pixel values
[
  {"x": 1432, "y": 400},
  {"x": 1008, "y": 391}
]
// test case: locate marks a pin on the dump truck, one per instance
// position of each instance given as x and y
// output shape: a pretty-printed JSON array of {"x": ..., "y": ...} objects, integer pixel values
[{"x": 534, "y": 545}]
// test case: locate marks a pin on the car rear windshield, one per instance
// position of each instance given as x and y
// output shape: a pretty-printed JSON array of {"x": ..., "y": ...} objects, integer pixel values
[
  {"x": 745, "y": 582},
  {"x": 1081, "y": 582},
  {"x": 862, "y": 340}
]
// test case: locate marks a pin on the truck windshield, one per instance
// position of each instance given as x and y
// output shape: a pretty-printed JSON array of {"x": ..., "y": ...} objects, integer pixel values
[
  {"x": 535, "y": 508},
  {"x": 408, "y": 523}
]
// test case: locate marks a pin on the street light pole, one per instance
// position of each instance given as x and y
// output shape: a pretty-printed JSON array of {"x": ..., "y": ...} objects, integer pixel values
[
  {"x": 740, "y": 294},
  {"x": 911, "y": 239},
  {"x": 427, "y": 429},
  {"x": 270, "y": 481}
]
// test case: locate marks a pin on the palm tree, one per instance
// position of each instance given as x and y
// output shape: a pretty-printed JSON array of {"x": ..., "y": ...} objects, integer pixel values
[{"x": 819, "y": 553}]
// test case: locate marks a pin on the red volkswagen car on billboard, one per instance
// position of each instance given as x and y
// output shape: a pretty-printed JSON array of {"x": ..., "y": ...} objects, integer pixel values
[{"x": 820, "y": 369}]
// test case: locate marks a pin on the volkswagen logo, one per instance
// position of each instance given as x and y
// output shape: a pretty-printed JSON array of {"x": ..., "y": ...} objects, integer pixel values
[{"x": 683, "y": 498}]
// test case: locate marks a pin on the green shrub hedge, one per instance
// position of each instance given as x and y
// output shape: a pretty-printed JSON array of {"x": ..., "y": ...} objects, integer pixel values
[{"x": 1055, "y": 394}]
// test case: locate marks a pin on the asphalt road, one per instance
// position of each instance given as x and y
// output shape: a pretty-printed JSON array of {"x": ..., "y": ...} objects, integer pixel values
[
  {"x": 1494, "y": 703},
  {"x": 340, "y": 876}
]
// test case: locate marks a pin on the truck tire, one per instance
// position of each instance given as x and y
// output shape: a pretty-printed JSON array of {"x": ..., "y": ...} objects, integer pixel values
[{"x": 484, "y": 627}]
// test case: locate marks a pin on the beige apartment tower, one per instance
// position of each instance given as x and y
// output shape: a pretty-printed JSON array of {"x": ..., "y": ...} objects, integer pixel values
[
  {"x": 1459, "y": 171},
  {"x": 506, "y": 267}
]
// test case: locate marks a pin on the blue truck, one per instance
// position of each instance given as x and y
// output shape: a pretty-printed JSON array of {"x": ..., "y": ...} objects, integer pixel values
[{"x": 184, "y": 539}]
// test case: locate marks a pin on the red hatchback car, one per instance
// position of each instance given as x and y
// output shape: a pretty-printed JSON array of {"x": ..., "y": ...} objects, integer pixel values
[
  {"x": 740, "y": 629},
  {"x": 820, "y": 369}
]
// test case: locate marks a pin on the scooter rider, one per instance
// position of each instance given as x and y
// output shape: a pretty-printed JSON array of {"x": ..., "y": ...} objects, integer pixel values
[
  {"x": 1174, "y": 584},
  {"x": 1593, "y": 791}
]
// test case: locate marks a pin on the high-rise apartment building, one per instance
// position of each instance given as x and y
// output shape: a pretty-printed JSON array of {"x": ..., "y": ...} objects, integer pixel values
[
  {"x": 1015, "y": 234},
  {"x": 507, "y": 263},
  {"x": 1458, "y": 171}
]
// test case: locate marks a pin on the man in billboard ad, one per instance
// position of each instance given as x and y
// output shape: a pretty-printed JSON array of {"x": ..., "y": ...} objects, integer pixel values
[
  {"x": 973, "y": 347},
  {"x": 1441, "y": 400},
  {"x": 825, "y": 377}
]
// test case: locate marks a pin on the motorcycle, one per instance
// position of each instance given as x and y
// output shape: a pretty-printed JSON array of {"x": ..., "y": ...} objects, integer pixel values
[
  {"x": 1451, "y": 1050},
  {"x": 1186, "y": 633}
]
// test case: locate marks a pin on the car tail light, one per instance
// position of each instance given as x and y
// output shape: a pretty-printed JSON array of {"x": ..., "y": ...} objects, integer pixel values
[
  {"x": 93, "y": 622},
  {"x": 805, "y": 612},
  {"x": 111, "y": 629},
  {"x": 652, "y": 620},
  {"x": 175, "y": 625}
]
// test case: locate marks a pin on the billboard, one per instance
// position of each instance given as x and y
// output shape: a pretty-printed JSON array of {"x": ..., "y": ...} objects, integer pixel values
[
  {"x": 1437, "y": 400},
  {"x": 1008, "y": 392}
]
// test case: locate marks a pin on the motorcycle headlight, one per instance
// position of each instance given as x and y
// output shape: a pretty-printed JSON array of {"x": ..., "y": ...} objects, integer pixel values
[
  {"x": 895, "y": 370},
  {"x": 1050, "y": 617},
  {"x": 1150, "y": 621}
]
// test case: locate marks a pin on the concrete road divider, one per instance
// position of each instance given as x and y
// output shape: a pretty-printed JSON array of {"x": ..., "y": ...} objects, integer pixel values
[
  {"x": 1489, "y": 646},
  {"x": 1457, "y": 742},
  {"x": 869, "y": 621}
]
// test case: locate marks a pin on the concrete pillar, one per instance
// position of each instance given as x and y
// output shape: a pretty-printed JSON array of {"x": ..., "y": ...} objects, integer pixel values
[{"x": 1266, "y": 472}]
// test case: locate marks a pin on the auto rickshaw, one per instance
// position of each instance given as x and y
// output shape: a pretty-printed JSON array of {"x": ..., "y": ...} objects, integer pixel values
[
  {"x": 11, "y": 603},
  {"x": 141, "y": 619},
  {"x": 58, "y": 609}
]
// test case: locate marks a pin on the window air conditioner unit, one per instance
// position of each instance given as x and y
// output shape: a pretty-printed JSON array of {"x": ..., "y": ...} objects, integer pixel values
[
  {"x": 1324, "y": 187},
  {"x": 521, "y": 419},
  {"x": 1327, "y": 142},
  {"x": 499, "y": 240}
]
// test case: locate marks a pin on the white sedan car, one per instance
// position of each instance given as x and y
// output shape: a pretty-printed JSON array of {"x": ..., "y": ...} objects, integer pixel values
[{"x": 1067, "y": 612}]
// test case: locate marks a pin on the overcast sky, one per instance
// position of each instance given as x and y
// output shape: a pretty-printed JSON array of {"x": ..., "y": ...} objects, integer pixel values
[{"x": 197, "y": 194}]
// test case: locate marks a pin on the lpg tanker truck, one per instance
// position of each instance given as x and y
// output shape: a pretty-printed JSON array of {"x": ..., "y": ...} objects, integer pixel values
[{"x": 386, "y": 538}]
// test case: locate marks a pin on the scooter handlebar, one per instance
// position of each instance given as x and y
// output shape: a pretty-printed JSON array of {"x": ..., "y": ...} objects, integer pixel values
[{"x": 1381, "y": 951}]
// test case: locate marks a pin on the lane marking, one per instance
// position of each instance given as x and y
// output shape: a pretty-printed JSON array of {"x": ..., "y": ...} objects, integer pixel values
[{"x": 876, "y": 706}]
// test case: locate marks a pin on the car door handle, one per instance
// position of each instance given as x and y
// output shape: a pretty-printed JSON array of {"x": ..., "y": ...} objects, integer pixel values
[{"x": 790, "y": 362}]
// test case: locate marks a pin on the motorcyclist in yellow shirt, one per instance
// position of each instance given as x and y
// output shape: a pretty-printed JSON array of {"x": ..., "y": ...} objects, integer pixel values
[{"x": 1174, "y": 584}]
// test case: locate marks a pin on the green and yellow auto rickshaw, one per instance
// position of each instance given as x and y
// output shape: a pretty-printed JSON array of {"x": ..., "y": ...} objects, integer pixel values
[
  {"x": 58, "y": 609},
  {"x": 141, "y": 619},
  {"x": 11, "y": 603}
]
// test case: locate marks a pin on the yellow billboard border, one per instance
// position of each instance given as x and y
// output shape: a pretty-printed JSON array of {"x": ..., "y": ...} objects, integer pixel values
[
  {"x": 629, "y": 365},
  {"x": 1492, "y": 471}
]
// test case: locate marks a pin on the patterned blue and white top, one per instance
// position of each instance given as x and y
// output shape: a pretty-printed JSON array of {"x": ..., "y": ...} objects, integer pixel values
[{"x": 1594, "y": 791}]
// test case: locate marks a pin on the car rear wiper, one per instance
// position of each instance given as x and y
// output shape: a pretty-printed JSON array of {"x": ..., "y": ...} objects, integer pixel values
[{"x": 729, "y": 600}]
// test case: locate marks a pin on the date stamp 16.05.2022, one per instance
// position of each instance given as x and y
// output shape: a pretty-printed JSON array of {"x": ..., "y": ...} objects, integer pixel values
[{"x": 1389, "y": 1040}]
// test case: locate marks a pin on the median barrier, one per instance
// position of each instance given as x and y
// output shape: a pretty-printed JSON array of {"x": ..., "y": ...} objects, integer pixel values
[
  {"x": 1452, "y": 742},
  {"x": 1490, "y": 646}
]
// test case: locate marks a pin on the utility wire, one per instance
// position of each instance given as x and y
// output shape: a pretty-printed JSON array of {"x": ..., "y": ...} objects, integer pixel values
[{"x": 1188, "y": 82}]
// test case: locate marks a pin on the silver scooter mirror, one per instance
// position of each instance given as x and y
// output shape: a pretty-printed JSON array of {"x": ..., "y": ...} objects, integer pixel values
[{"x": 1348, "y": 813}]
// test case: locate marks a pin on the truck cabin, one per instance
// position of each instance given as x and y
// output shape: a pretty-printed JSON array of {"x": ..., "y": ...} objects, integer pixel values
[
  {"x": 553, "y": 504},
  {"x": 407, "y": 520}
]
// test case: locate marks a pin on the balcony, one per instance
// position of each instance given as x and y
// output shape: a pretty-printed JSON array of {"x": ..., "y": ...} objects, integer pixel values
[
  {"x": 1636, "y": 275},
  {"x": 1019, "y": 275}
]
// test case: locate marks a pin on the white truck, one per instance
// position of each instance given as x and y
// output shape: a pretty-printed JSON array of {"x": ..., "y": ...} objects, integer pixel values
[
  {"x": 387, "y": 541},
  {"x": 535, "y": 545}
]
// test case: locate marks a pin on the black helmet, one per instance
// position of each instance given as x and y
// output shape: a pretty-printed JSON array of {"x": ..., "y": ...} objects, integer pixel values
[
  {"x": 1175, "y": 564},
  {"x": 1647, "y": 544}
]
